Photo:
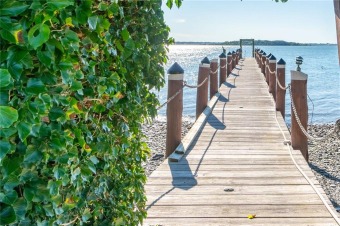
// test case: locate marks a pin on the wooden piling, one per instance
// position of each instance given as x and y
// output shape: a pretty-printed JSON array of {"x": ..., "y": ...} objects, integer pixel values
[
  {"x": 266, "y": 70},
  {"x": 299, "y": 98},
  {"x": 174, "y": 108},
  {"x": 223, "y": 68},
  {"x": 281, "y": 93},
  {"x": 234, "y": 60},
  {"x": 229, "y": 63},
  {"x": 272, "y": 75},
  {"x": 263, "y": 63},
  {"x": 202, "y": 90},
  {"x": 213, "y": 77}
]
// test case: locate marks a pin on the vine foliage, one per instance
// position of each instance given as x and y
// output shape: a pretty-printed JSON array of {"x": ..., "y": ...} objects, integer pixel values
[{"x": 75, "y": 81}]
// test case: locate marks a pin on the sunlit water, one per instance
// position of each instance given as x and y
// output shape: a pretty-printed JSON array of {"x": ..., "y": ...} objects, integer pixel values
[{"x": 320, "y": 63}]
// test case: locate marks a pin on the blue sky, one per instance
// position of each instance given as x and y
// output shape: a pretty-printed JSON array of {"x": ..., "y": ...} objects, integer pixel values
[{"x": 228, "y": 20}]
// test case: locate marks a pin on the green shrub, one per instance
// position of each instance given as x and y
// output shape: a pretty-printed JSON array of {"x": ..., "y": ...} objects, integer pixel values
[{"x": 75, "y": 80}]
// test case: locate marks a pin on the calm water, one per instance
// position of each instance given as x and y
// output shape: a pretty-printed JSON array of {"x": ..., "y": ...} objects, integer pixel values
[{"x": 320, "y": 63}]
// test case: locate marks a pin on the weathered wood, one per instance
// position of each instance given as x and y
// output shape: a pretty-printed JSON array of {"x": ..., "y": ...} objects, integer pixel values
[
  {"x": 173, "y": 221},
  {"x": 174, "y": 109},
  {"x": 299, "y": 98},
  {"x": 213, "y": 78},
  {"x": 238, "y": 146},
  {"x": 242, "y": 211}
]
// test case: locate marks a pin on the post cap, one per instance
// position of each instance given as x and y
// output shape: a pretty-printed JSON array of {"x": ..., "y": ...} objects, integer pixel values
[
  {"x": 272, "y": 57},
  {"x": 222, "y": 55},
  {"x": 264, "y": 54},
  {"x": 261, "y": 51},
  {"x": 229, "y": 54},
  {"x": 175, "y": 69},
  {"x": 269, "y": 55},
  {"x": 281, "y": 62},
  {"x": 205, "y": 61},
  {"x": 233, "y": 52}
]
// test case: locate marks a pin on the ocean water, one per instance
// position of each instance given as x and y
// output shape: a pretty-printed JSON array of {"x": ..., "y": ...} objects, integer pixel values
[{"x": 320, "y": 63}]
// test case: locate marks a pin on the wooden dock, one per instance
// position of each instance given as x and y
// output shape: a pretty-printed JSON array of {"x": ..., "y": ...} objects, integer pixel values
[{"x": 237, "y": 166}]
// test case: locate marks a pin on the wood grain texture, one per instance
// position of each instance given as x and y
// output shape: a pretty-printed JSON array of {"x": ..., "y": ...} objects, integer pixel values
[{"x": 237, "y": 165}]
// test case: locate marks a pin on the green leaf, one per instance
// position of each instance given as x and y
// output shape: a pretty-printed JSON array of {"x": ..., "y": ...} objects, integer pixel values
[
  {"x": 9, "y": 197},
  {"x": 12, "y": 182},
  {"x": 56, "y": 113},
  {"x": 12, "y": 8},
  {"x": 7, "y": 35},
  {"x": 94, "y": 159},
  {"x": 59, "y": 4},
  {"x": 24, "y": 130},
  {"x": 20, "y": 208},
  {"x": 86, "y": 215},
  {"x": 7, "y": 215},
  {"x": 76, "y": 85},
  {"x": 45, "y": 57},
  {"x": 5, "y": 147},
  {"x": 43, "y": 35},
  {"x": 5, "y": 78},
  {"x": 29, "y": 193},
  {"x": 92, "y": 21},
  {"x": 9, "y": 166},
  {"x": 71, "y": 36},
  {"x": 8, "y": 116},
  {"x": 125, "y": 34},
  {"x": 169, "y": 3},
  {"x": 33, "y": 157},
  {"x": 35, "y": 86},
  {"x": 4, "y": 96},
  {"x": 6, "y": 133}
]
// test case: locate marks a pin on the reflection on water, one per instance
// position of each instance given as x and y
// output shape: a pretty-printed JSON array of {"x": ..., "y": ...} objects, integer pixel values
[{"x": 320, "y": 63}]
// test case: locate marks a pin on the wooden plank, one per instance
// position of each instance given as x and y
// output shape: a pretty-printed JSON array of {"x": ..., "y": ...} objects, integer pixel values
[
  {"x": 244, "y": 221},
  {"x": 241, "y": 146},
  {"x": 193, "y": 181},
  {"x": 260, "y": 199},
  {"x": 238, "y": 190},
  {"x": 242, "y": 211},
  {"x": 229, "y": 174}
]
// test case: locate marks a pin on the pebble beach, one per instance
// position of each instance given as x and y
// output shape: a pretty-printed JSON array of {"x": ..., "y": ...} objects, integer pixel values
[{"x": 324, "y": 156}]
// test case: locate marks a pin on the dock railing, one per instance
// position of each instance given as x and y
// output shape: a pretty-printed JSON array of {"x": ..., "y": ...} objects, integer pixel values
[
  {"x": 274, "y": 73},
  {"x": 207, "y": 77}
]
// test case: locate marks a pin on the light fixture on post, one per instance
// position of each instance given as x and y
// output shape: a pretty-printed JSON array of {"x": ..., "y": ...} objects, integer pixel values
[{"x": 299, "y": 61}]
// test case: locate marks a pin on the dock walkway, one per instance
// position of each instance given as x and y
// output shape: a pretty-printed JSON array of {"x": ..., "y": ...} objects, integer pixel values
[{"x": 237, "y": 166}]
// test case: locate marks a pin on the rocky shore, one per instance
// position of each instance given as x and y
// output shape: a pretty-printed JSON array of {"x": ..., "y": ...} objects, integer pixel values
[{"x": 324, "y": 156}]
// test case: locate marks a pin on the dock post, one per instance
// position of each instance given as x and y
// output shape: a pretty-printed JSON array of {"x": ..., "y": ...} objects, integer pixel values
[
  {"x": 237, "y": 56},
  {"x": 272, "y": 75},
  {"x": 281, "y": 93},
  {"x": 266, "y": 69},
  {"x": 263, "y": 63},
  {"x": 202, "y": 90},
  {"x": 229, "y": 63},
  {"x": 234, "y": 60},
  {"x": 260, "y": 59},
  {"x": 174, "y": 108},
  {"x": 299, "y": 98},
  {"x": 223, "y": 68},
  {"x": 213, "y": 77}
]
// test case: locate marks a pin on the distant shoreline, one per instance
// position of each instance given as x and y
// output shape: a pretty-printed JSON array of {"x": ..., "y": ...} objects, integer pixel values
[{"x": 257, "y": 43}]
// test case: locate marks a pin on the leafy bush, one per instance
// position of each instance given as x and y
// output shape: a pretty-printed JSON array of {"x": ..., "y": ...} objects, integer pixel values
[{"x": 75, "y": 77}]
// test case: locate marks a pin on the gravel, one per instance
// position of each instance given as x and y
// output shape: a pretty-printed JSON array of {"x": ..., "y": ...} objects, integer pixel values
[{"x": 324, "y": 157}]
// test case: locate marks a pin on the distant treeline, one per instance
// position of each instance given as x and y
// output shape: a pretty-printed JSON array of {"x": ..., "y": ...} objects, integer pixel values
[{"x": 257, "y": 43}]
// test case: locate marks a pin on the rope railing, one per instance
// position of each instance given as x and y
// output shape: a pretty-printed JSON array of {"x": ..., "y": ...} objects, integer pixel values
[
  {"x": 289, "y": 144},
  {"x": 335, "y": 131},
  {"x": 175, "y": 79},
  {"x": 185, "y": 84}
]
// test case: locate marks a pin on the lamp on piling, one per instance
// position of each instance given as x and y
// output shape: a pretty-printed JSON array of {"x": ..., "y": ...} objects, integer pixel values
[{"x": 299, "y": 61}]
